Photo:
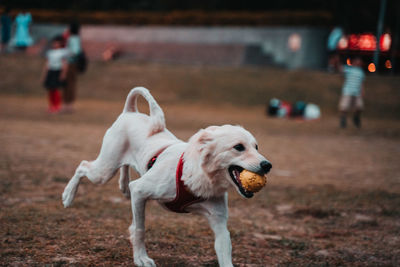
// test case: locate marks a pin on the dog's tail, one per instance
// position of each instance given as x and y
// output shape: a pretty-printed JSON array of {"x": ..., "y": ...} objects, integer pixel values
[{"x": 156, "y": 114}]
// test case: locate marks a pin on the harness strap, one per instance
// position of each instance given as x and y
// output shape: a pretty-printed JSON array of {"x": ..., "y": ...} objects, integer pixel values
[{"x": 184, "y": 197}]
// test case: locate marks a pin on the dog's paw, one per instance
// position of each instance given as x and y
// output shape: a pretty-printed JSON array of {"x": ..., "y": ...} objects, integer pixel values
[
  {"x": 67, "y": 199},
  {"x": 144, "y": 261}
]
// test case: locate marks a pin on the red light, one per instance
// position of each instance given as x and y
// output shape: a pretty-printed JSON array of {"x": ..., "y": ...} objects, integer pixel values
[
  {"x": 371, "y": 67},
  {"x": 353, "y": 42},
  {"x": 364, "y": 42},
  {"x": 385, "y": 42},
  {"x": 367, "y": 42}
]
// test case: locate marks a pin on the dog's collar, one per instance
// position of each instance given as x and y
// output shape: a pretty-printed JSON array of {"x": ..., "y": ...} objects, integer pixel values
[{"x": 184, "y": 197}]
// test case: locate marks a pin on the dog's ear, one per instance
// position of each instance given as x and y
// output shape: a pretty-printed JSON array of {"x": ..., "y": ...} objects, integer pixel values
[
  {"x": 203, "y": 146},
  {"x": 205, "y": 137},
  {"x": 203, "y": 143},
  {"x": 207, "y": 148},
  {"x": 201, "y": 139}
]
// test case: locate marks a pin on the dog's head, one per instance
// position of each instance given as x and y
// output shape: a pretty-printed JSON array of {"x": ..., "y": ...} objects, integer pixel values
[{"x": 224, "y": 152}]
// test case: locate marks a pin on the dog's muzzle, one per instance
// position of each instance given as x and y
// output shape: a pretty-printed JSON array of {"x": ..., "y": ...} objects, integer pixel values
[{"x": 235, "y": 171}]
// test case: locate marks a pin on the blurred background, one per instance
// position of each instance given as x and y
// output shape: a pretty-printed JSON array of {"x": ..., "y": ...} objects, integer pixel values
[
  {"x": 333, "y": 195},
  {"x": 283, "y": 44},
  {"x": 285, "y": 34}
]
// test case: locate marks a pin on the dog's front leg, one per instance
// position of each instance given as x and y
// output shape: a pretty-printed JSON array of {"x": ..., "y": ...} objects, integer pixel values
[
  {"x": 223, "y": 246},
  {"x": 137, "y": 229},
  {"x": 217, "y": 216}
]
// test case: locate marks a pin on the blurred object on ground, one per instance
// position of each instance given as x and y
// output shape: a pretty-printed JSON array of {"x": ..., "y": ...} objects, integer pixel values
[
  {"x": 297, "y": 110},
  {"x": 112, "y": 52}
]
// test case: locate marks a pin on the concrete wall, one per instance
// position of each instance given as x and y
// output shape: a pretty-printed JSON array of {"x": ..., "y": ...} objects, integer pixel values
[{"x": 203, "y": 45}]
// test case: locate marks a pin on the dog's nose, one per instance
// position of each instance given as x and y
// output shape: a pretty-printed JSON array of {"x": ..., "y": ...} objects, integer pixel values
[{"x": 265, "y": 166}]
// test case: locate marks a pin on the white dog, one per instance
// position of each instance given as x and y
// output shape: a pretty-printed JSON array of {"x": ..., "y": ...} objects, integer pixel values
[{"x": 186, "y": 177}]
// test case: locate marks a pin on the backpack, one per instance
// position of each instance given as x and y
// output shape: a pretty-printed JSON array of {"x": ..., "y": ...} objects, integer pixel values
[{"x": 81, "y": 62}]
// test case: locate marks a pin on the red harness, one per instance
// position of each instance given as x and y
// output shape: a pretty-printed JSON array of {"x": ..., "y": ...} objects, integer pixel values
[{"x": 184, "y": 197}]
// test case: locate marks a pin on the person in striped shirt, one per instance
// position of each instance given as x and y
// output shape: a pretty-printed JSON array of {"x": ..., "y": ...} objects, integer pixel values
[{"x": 352, "y": 93}]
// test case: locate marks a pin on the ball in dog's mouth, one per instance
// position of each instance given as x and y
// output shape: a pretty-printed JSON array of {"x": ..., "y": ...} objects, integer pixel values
[
  {"x": 251, "y": 181},
  {"x": 247, "y": 182}
]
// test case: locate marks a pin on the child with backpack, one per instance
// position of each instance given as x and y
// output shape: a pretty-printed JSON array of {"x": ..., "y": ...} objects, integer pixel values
[{"x": 73, "y": 44}]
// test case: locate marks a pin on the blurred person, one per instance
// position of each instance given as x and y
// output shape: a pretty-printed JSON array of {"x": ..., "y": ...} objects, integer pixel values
[
  {"x": 22, "y": 38},
  {"x": 55, "y": 72},
  {"x": 332, "y": 44},
  {"x": 73, "y": 44},
  {"x": 6, "y": 22},
  {"x": 352, "y": 93}
]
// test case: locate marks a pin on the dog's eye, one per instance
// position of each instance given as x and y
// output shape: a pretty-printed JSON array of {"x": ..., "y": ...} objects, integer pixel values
[
  {"x": 239, "y": 147},
  {"x": 256, "y": 147}
]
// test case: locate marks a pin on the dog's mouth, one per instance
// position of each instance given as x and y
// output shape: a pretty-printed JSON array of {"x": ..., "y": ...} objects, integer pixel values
[{"x": 234, "y": 172}]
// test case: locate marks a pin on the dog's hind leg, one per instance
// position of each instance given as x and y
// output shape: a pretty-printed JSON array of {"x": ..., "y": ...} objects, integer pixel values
[
  {"x": 124, "y": 178},
  {"x": 100, "y": 170},
  {"x": 72, "y": 186},
  {"x": 96, "y": 171}
]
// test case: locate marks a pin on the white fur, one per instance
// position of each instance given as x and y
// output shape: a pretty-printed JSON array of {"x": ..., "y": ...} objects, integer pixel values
[{"x": 135, "y": 138}]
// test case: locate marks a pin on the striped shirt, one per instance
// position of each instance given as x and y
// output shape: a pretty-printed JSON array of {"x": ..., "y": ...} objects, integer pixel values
[{"x": 353, "y": 79}]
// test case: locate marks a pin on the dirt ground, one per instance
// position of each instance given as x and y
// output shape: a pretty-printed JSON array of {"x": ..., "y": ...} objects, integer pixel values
[{"x": 332, "y": 198}]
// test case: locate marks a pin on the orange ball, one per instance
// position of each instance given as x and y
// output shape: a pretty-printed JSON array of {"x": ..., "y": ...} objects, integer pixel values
[{"x": 251, "y": 181}]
